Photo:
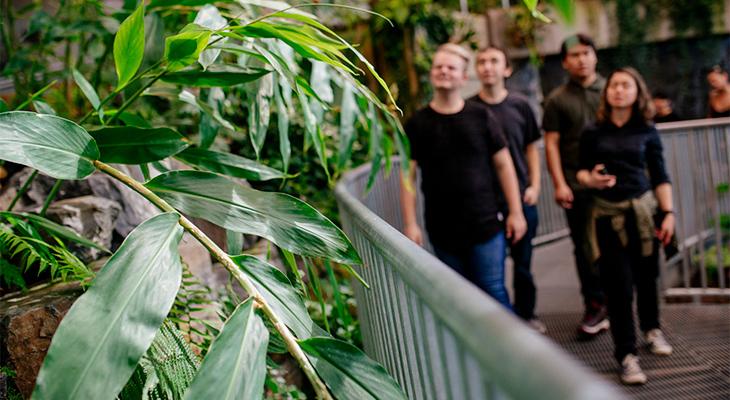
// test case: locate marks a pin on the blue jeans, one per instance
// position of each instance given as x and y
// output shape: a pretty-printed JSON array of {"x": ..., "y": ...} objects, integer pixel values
[
  {"x": 482, "y": 264},
  {"x": 521, "y": 253}
]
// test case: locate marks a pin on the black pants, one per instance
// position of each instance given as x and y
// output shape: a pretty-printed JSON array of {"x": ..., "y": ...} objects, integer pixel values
[
  {"x": 522, "y": 280},
  {"x": 590, "y": 283},
  {"x": 622, "y": 269}
]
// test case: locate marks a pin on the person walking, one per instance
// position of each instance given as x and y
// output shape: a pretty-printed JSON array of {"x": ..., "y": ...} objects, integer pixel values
[
  {"x": 520, "y": 128},
  {"x": 626, "y": 223},
  {"x": 719, "y": 96},
  {"x": 568, "y": 110},
  {"x": 460, "y": 155}
]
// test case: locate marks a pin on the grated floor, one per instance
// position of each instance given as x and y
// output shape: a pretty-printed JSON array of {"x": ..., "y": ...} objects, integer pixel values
[{"x": 699, "y": 368}]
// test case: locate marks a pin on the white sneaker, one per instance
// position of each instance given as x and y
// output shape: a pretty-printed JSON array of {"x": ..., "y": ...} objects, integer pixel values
[
  {"x": 631, "y": 373},
  {"x": 537, "y": 325},
  {"x": 658, "y": 343}
]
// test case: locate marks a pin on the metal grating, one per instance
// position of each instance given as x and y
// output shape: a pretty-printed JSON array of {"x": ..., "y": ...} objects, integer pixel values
[{"x": 699, "y": 368}]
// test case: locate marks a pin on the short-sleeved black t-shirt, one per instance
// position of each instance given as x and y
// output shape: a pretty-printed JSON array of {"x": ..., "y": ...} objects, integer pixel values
[
  {"x": 454, "y": 152},
  {"x": 520, "y": 128},
  {"x": 569, "y": 110},
  {"x": 627, "y": 152}
]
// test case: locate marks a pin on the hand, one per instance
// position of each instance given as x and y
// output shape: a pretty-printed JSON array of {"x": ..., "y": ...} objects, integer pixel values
[
  {"x": 531, "y": 195},
  {"x": 564, "y": 196},
  {"x": 666, "y": 231},
  {"x": 515, "y": 227},
  {"x": 597, "y": 180},
  {"x": 414, "y": 233}
]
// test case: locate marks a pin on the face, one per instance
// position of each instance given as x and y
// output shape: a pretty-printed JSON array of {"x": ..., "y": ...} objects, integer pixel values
[
  {"x": 448, "y": 71},
  {"x": 717, "y": 80},
  {"x": 492, "y": 67},
  {"x": 662, "y": 106},
  {"x": 621, "y": 90},
  {"x": 580, "y": 61}
]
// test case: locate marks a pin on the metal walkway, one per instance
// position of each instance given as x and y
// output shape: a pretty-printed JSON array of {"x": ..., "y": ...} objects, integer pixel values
[{"x": 699, "y": 368}]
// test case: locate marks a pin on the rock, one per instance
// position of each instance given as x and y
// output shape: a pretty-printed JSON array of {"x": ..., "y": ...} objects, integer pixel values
[
  {"x": 27, "y": 323},
  {"x": 91, "y": 217}
]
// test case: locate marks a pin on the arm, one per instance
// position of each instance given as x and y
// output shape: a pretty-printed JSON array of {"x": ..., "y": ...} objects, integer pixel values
[
  {"x": 663, "y": 194},
  {"x": 515, "y": 225},
  {"x": 532, "y": 192},
  {"x": 563, "y": 194},
  {"x": 408, "y": 205}
]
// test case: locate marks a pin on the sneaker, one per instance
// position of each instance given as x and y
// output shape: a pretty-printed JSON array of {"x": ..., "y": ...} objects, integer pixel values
[
  {"x": 658, "y": 343},
  {"x": 537, "y": 325},
  {"x": 594, "y": 322},
  {"x": 631, "y": 373}
]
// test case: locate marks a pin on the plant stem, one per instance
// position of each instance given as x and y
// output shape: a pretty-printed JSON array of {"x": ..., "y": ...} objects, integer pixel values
[
  {"x": 225, "y": 260},
  {"x": 135, "y": 96},
  {"x": 51, "y": 196},
  {"x": 22, "y": 190}
]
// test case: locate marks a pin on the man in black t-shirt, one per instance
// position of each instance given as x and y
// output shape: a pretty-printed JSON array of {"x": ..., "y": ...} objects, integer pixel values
[
  {"x": 568, "y": 110},
  {"x": 519, "y": 125},
  {"x": 460, "y": 156}
]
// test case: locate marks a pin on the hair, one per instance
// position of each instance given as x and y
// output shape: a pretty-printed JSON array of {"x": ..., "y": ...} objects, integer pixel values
[
  {"x": 455, "y": 49},
  {"x": 570, "y": 41},
  {"x": 508, "y": 62},
  {"x": 642, "y": 108},
  {"x": 718, "y": 68},
  {"x": 660, "y": 94}
]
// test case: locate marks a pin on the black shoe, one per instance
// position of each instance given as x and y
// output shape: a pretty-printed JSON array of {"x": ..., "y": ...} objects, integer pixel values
[{"x": 595, "y": 321}]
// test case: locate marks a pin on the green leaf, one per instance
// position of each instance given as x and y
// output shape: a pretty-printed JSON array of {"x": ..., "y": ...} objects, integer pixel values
[
  {"x": 3, "y": 106},
  {"x": 287, "y": 221},
  {"x": 184, "y": 48},
  {"x": 88, "y": 91},
  {"x": 280, "y": 294},
  {"x": 348, "y": 372},
  {"x": 129, "y": 47},
  {"x": 234, "y": 242},
  {"x": 228, "y": 164},
  {"x": 188, "y": 3},
  {"x": 216, "y": 76},
  {"x": 11, "y": 275},
  {"x": 132, "y": 145},
  {"x": 314, "y": 132},
  {"x": 56, "y": 229},
  {"x": 723, "y": 188},
  {"x": 210, "y": 17},
  {"x": 43, "y": 108},
  {"x": 109, "y": 328},
  {"x": 282, "y": 114},
  {"x": 566, "y": 8},
  {"x": 348, "y": 116},
  {"x": 235, "y": 366},
  {"x": 55, "y": 146}
]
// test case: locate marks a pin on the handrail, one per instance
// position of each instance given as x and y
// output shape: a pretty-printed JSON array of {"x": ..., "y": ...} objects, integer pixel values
[{"x": 510, "y": 357}]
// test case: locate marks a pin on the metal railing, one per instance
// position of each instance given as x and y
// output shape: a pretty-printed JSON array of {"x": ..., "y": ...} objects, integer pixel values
[{"x": 438, "y": 335}]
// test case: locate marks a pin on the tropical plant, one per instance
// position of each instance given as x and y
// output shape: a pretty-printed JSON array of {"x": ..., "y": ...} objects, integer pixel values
[{"x": 110, "y": 331}]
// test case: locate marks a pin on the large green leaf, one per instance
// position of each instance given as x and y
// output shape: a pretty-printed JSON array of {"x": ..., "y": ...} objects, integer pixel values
[
  {"x": 59, "y": 231},
  {"x": 283, "y": 219},
  {"x": 235, "y": 366},
  {"x": 281, "y": 295},
  {"x": 184, "y": 48},
  {"x": 129, "y": 46},
  {"x": 348, "y": 372},
  {"x": 98, "y": 344},
  {"x": 282, "y": 114},
  {"x": 228, "y": 164},
  {"x": 53, "y": 145},
  {"x": 132, "y": 145},
  {"x": 210, "y": 17},
  {"x": 216, "y": 76}
]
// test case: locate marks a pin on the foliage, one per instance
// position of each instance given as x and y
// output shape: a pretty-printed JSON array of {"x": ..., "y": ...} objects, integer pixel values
[
  {"x": 103, "y": 340},
  {"x": 33, "y": 243}
]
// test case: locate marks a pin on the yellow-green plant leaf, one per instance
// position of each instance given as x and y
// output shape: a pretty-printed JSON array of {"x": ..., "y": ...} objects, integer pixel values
[
  {"x": 129, "y": 46},
  {"x": 285, "y": 220},
  {"x": 228, "y": 164},
  {"x": 348, "y": 372},
  {"x": 132, "y": 145},
  {"x": 281, "y": 295},
  {"x": 184, "y": 48},
  {"x": 99, "y": 342},
  {"x": 53, "y": 145},
  {"x": 235, "y": 366},
  {"x": 59, "y": 231}
]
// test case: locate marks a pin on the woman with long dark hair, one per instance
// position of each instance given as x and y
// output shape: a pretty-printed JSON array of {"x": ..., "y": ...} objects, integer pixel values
[{"x": 632, "y": 213}]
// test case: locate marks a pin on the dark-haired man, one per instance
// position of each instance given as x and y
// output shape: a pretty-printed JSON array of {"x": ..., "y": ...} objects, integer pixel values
[
  {"x": 568, "y": 110},
  {"x": 519, "y": 125},
  {"x": 460, "y": 155}
]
